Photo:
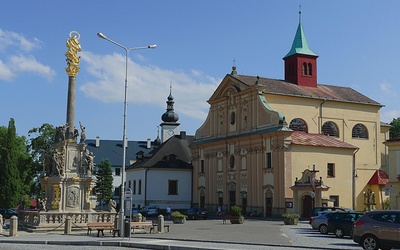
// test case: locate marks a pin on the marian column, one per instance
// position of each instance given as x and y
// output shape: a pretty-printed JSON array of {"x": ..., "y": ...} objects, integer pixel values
[{"x": 73, "y": 68}]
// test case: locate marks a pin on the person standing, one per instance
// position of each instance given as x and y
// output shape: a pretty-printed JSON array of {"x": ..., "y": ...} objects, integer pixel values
[{"x": 168, "y": 210}]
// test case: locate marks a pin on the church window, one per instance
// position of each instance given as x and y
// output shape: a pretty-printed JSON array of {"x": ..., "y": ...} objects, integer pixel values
[
  {"x": 232, "y": 162},
  {"x": 359, "y": 131},
  {"x": 202, "y": 166},
  {"x": 304, "y": 69},
  {"x": 233, "y": 117},
  {"x": 172, "y": 187},
  {"x": 310, "y": 69},
  {"x": 330, "y": 129},
  {"x": 331, "y": 170},
  {"x": 269, "y": 160},
  {"x": 140, "y": 187},
  {"x": 298, "y": 124}
]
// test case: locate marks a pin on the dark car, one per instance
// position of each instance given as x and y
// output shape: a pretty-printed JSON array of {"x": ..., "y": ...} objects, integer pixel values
[
  {"x": 320, "y": 222},
  {"x": 196, "y": 213},
  {"x": 7, "y": 213},
  {"x": 341, "y": 223},
  {"x": 150, "y": 211},
  {"x": 378, "y": 229}
]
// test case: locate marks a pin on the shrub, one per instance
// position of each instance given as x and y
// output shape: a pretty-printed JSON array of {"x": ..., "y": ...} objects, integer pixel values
[
  {"x": 177, "y": 214},
  {"x": 291, "y": 216},
  {"x": 236, "y": 211}
]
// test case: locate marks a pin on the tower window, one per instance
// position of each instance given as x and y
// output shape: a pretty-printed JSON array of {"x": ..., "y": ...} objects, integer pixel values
[
  {"x": 304, "y": 69},
  {"x": 298, "y": 124},
  {"x": 359, "y": 131},
  {"x": 310, "y": 69}
]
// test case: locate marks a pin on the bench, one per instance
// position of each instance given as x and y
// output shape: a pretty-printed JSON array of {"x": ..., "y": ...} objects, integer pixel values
[
  {"x": 142, "y": 225},
  {"x": 155, "y": 224},
  {"x": 101, "y": 226}
]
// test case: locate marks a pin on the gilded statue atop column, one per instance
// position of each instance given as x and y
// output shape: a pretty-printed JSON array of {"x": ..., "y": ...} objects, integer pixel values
[{"x": 73, "y": 59}]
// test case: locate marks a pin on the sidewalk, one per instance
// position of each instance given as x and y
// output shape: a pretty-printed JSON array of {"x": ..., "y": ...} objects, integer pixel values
[{"x": 208, "y": 234}]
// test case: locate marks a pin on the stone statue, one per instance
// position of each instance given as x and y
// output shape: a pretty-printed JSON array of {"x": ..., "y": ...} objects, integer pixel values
[
  {"x": 76, "y": 134},
  {"x": 83, "y": 133},
  {"x": 42, "y": 204},
  {"x": 58, "y": 168},
  {"x": 112, "y": 205},
  {"x": 89, "y": 161},
  {"x": 61, "y": 132}
]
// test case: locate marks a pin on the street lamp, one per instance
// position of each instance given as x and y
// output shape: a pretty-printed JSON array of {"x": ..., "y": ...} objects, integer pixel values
[{"x": 153, "y": 46}]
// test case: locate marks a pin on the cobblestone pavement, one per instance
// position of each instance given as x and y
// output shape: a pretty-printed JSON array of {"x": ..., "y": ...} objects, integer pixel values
[{"x": 208, "y": 234}]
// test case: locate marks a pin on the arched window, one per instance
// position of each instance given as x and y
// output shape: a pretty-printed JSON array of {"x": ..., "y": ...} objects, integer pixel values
[
  {"x": 359, "y": 131},
  {"x": 330, "y": 129},
  {"x": 233, "y": 117},
  {"x": 304, "y": 68},
  {"x": 310, "y": 69},
  {"x": 232, "y": 162},
  {"x": 298, "y": 124}
]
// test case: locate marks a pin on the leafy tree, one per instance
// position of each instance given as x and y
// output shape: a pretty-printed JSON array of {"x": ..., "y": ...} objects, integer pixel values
[
  {"x": 15, "y": 167},
  {"x": 104, "y": 183},
  {"x": 394, "y": 131}
]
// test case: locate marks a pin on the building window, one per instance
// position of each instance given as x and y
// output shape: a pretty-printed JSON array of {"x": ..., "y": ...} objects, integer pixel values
[
  {"x": 298, "y": 124},
  {"x": 233, "y": 117},
  {"x": 331, "y": 169},
  {"x": 129, "y": 184},
  {"x": 232, "y": 162},
  {"x": 140, "y": 187},
  {"x": 330, "y": 129},
  {"x": 310, "y": 69},
  {"x": 172, "y": 187},
  {"x": 117, "y": 171},
  {"x": 117, "y": 191},
  {"x": 134, "y": 187},
  {"x": 202, "y": 167},
  {"x": 335, "y": 199},
  {"x": 359, "y": 131},
  {"x": 304, "y": 69},
  {"x": 269, "y": 160}
]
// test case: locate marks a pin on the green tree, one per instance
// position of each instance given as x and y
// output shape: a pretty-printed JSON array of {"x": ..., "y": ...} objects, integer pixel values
[
  {"x": 104, "y": 183},
  {"x": 41, "y": 149},
  {"x": 15, "y": 167},
  {"x": 394, "y": 131}
]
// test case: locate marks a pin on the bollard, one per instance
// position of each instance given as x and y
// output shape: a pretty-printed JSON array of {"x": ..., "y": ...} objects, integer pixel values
[
  {"x": 1, "y": 223},
  {"x": 160, "y": 224},
  {"x": 68, "y": 225},
  {"x": 127, "y": 228},
  {"x": 13, "y": 225}
]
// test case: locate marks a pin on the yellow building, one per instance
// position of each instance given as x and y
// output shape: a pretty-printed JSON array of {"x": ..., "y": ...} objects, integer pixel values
[{"x": 276, "y": 146}]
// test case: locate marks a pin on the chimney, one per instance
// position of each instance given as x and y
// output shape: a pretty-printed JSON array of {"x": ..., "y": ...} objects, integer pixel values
[
  {"x": 97, "y": 141},
  {"x": 148, "y": 143},
  {"x": 183, "y": 135}
]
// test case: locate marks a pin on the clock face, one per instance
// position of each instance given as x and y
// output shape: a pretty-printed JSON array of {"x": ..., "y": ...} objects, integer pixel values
[{"x": 170, "y": 132}]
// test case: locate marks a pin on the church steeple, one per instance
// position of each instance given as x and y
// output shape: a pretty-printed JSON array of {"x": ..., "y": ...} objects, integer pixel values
[
  {"x": 169, "y": 127},
  {"x": 301, "y": 61}
]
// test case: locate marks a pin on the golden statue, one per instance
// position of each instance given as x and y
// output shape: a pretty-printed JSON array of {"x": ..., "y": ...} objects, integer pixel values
[{"x": 72, "y": 54}]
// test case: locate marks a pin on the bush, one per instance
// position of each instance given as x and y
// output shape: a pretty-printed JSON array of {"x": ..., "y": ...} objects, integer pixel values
[
  {"x": 291, "y": 216},
  {"x": 236, "y": 211},
  {"x": 177, "y": 214}
]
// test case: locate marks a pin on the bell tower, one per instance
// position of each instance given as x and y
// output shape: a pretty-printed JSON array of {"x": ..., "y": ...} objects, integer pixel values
[{"x": 301, "y": 61}]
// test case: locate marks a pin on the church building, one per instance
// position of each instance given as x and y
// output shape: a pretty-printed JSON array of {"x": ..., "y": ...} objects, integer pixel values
[{"x": 284, "y": 146}]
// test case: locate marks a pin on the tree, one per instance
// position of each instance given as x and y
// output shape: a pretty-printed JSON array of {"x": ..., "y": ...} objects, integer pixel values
[
  {"x": 15, "y": 167},
  {"x": 104, "y": 183},
  {"x": 394, "y": 131},
  {"x": 41, "y": 149}
]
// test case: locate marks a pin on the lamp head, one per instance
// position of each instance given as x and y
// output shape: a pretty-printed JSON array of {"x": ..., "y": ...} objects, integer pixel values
[
  {"x": 101, "y": 35},
  {"x": 153, "y": 46}
]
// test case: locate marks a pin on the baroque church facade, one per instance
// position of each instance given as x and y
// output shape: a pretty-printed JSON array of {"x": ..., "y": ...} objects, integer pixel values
[{"x": 284, "y": 146}]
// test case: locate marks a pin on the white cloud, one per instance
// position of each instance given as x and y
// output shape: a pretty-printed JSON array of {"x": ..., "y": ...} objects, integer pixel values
[
  {"x": 387, "y": 89},
  {"x": 10, "y": 38},
  {"x": 148, "y": 85},
  {"x": 387, "y": 116},
  {"x": 6, "y": 73},
  {"x": 30, "y": 64}
]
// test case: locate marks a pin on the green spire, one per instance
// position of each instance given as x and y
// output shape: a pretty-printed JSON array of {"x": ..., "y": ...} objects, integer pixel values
[{"x": 300, "y": 45}]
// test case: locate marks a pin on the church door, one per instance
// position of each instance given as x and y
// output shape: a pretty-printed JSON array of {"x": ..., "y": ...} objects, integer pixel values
[{"x": 307, "y": 206}]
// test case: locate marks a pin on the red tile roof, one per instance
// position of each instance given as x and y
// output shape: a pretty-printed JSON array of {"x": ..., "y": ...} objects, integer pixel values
[
  {"x": 380, "y": 177},
  {"x": 308, "y": 139}
]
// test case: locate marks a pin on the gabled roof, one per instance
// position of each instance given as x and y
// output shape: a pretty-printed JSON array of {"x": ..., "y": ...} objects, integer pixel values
[
  {"x": 173, "y": 154},
  {"x": 323, "y": 92},
  {"x": 112, "y": 150},
  {"x": 380, "y": 177},
  {"x": 308, "y": 139}
]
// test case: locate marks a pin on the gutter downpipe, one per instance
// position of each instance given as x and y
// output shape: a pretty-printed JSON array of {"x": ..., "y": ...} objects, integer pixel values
[
  {"x": 354, "y": 179},
  {"x": 320, "y": 116}
]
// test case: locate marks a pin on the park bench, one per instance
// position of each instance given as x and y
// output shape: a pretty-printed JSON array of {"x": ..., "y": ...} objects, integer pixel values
[
  {"x": 142, "y": 225},
  {"x": 155, "y": 224},
  {"x": 101, "y": 226}
]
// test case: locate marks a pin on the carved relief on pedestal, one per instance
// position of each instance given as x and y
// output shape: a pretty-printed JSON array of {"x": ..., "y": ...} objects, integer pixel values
[
  {"x": 56, "y": 200},
  {"x": 73, "y": 197}
]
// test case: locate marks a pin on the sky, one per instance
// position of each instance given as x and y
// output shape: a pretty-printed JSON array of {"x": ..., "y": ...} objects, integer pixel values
[{"x": 198, "y": 42}]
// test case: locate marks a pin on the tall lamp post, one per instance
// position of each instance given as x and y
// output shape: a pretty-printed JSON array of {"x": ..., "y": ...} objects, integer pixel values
[{"x": 153, "y": 46}]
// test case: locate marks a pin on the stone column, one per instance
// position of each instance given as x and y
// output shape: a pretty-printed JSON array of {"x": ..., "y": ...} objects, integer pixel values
[{"x": 13, "y": 226}]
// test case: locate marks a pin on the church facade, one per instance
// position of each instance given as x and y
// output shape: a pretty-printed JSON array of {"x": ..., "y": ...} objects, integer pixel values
[{"x": 284, "y": 146}]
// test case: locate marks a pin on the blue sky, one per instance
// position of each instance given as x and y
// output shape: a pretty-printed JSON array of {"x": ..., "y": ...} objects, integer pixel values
[{"x": 198, "y": 42}]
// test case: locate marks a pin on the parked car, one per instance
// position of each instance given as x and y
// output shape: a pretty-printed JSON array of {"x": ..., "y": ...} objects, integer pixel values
[
  {"x": 7, "y": 213},
  {"x": 320, "y": 222},
  {"x": 317, "y": 210},
  {"x": 135, "y": 210},
  {"x": 196, "y": 213},
  {"x": 378, "y": 229},
  {"x": 341, "y": 223},
  {"x": 150, "y": 211}
]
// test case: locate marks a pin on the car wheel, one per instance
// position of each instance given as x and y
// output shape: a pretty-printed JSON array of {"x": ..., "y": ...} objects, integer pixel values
[
  {"x": 339, "y": 233},
  {"x": 370, "y": 242},
  {"x": 323, "y": 229}
]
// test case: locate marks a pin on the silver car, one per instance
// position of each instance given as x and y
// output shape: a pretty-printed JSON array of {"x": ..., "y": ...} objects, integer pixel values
[
  {"x": 320, "y": 222},
  {"x": 378, "y": 229}
]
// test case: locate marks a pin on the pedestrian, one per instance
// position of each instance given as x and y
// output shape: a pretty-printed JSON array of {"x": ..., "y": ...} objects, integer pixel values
[{"x": 168, "y": 209}]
